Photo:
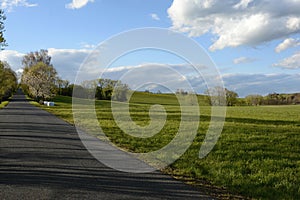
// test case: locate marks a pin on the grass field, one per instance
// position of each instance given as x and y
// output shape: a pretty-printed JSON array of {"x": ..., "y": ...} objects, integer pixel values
[{"x": 257, "y": 155}]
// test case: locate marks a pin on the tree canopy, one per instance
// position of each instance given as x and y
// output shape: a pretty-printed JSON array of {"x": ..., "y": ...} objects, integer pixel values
[
  {"x": 8, "y": 80},
  {"x": 33, "y": 58},
  {"x": 39, "y": 77},
  {"x": 2, "y": 29}
]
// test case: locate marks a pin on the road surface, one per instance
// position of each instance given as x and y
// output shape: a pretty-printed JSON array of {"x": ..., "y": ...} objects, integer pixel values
[{"x": 42, "y": 157}]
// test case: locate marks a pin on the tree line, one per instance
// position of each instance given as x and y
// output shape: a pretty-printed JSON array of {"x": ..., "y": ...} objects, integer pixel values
[
  {"x": 100, "y": 89},
  {"x": 8, "y": 78},
  {"x": 8, "y": 81},
  {"x": 41, "y": 82},
  {"x": 232, "y": 98}
]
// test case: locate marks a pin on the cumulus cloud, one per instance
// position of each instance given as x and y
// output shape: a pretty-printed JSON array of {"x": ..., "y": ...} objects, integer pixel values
[
  {"x": 66, "y": 61},
  {"x": 77, "y": 4},
  {"x": 154, "y": 16},
  {"x": 243, "y": 60},
  {"x": 236, "y": 22},
  {"x": 292, "y": 62},
  {"x": 14, "y": 58},
  {"x": 174, "y": 77},
  {"x": 160, "y": 75},
  {"x": 287, "y": 43},
  {"x": 245, "y": 84},
  {"x": 10, "y": 4}
]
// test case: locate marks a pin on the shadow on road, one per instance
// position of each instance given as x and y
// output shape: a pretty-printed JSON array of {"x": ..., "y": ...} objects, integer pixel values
[{"x": 42, "y": 157}]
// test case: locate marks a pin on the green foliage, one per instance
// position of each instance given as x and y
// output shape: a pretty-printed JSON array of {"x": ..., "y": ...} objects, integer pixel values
[
  {"x": 254, "y": 100},
  {"x": 231, "y": 97},
  {"x": 39, "y": 77},
  {"x": 3, "y": 104},
  {"x": 101, "y": 89},
  {"x": 281, "y": 99},
  {"x": 257, "y": 154},
  {"x": 2, "y": 29},
  {"x": 8, "y": 81},
  {"x": 216, "y": 95}
]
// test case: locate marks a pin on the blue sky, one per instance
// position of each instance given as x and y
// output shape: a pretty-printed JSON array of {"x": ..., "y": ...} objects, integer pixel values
[{"x": 255, "y": 44}]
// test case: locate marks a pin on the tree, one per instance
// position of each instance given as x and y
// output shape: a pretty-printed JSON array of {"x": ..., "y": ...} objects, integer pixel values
[
  {"x": 254, "y": 99},
  {"x": 39, "y": 75},
  {"x": 2, "y": 29},
  {"x": 8, "y": 80},
  {"x": 120, "y": 92},
  {"x": 33, "y": 58},
  {"x": 216, "y": 96},
  {"x": 62, "y": 86},
  {"x": 105, "y": 88},
  {"x": 40, "y": 80},
  {"x": 231, "y": 97}
]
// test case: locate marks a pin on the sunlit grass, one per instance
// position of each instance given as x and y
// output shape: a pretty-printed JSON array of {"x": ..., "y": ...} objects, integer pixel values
[
  {"x": 3, "y": 104},
  {"x": 257, "y": 155}
]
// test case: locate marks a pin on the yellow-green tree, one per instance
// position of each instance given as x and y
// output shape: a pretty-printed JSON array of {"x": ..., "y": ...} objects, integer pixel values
[{"x": 8, "y": 80}]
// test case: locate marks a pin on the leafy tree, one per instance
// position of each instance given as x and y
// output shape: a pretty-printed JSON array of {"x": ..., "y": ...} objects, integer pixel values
[
  {"x": 62, "y": 86},
  {"x": 33, "y": 58},
  {"x": 215, "y": 96},
  {"x": 272, "y": 99},
  {"x": 39, "y": 75},
  {"x": 120, "y": 92},
  {"x": 254, "y": 100},
  {"x": 8, "y": 80},
  {"x": 2, "y": 29},
  {"x": 231, "y": 97},
  {"x": 105, "y": 88},
  {"x": 40, "y": 80}
]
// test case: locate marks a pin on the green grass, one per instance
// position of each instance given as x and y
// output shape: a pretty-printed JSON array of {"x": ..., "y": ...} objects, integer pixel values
[
  {"x": 257, "y": 155},
  {"x": 3, "y": 104}
]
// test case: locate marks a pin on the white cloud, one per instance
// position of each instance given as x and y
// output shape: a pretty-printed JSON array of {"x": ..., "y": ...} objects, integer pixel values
[
  {"x": 160, "y": 76},
  {"x": 236, "y": 22},
  {"x": 287, "y": 43},
  {"x": 243, "y": 4},
  {"x": 14, "y": 58},
  {"x": 66, "y": 61},
  {"x": 10, "y": 4},
  {"x": 163, "y": 74},
  {"x": 293, "y": 23},
  {"x": 154, "y": 16},
  {"x": 243, "y": 60},
  {"x": 77, "y": 4},
  {"x": 292, "y": 62},
  {"x": 245, "y": 84}
]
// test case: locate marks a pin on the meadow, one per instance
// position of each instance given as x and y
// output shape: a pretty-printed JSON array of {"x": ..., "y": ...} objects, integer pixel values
[{"x": 257, "y": 155}]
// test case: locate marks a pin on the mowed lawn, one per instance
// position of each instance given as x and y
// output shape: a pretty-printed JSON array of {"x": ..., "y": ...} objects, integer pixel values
[{"x": 257, "y": 155}]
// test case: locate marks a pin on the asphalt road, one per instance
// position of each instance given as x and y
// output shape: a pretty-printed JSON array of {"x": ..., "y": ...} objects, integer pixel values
[{"x": 42, "y": 157}]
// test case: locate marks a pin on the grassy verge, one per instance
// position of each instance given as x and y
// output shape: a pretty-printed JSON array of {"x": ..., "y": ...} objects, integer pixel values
[
  {"x": 3, "y": 104},
  {"x": 257, "y": 155}
]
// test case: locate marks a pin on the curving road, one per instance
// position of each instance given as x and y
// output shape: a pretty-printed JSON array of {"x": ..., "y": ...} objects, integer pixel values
[{"x": 42, "y": 157}]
